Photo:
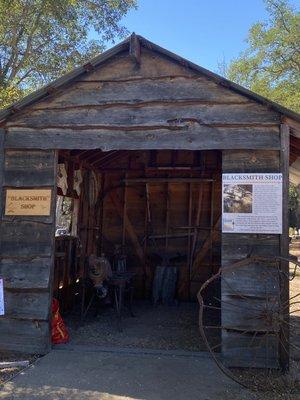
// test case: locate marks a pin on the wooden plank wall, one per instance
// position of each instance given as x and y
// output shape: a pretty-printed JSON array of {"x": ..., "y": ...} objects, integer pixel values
[
  {"x": 239, "y": 315},
  {"x": 26, "y": 250},
  {"x": 147, "y": 242},
  {"x": 158, "y": 105}
]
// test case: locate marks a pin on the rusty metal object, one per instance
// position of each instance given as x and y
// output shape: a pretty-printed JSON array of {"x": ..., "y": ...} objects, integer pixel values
[{"x": 245, "y": 327}]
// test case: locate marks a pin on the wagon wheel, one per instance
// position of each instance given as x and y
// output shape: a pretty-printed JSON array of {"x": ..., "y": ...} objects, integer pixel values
[{"x": 247, "y": 323}]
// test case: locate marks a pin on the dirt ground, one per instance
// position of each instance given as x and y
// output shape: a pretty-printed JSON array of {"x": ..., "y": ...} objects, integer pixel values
[
  {"x": 161, "y": 327},
  {"x": 169, "y": 328},
  {"x": 295, "y": 302}
]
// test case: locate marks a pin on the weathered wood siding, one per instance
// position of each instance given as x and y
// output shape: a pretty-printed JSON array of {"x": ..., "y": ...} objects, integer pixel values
[
  {"x": 26, "y": 249},
  {"x": 157, "y": 103},
  {"x": 160, "y": 105},
  {"x": 239, "y": 315}
]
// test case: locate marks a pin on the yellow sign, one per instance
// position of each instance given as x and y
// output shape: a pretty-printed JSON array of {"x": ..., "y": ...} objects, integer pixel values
[{"x": 28, "y": 202}]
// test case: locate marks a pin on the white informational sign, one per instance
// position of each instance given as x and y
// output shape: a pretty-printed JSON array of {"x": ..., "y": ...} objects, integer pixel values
[
  {"x": 1, "y": 297},
  {"x": 252, "y": 203}
]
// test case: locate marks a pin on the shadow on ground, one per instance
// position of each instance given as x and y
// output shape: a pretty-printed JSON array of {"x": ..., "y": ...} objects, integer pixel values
[{"x": 94, "y": 374}]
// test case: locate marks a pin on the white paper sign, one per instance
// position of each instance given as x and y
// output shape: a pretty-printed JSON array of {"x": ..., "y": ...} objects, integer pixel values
[
  {"x": 252, "y": 203},
  {"x": 1, "y": 297}
]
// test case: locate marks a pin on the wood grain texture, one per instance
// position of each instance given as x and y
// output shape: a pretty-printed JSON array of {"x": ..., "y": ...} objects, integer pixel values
[
  {"x": 32, "y": 168},
  {"x": 238, "y": 353},
  {"x": 247, "y": 314},
  {"x": 152, "y": 65},
  {"x": 284, "y": 348},
  {"x": 159, "y": 114},
  {"x": 2, "y": 139},
  {"x": 25, "y": 336},
  {"x": 244, "y": 280},
  {"x": 27, "y": 305},
  {"x": 23, "y": 239},
  {"x": 25, "y": 273},
  {"x": 140, "y": 90},
  {"x": 250, "y": 161},
  {"x": 186, "y": 137},
  {"x": 128, "y": 226},
  {"x": 26, "y": 248},
  {"x": 135, "y": 49},
  {"x": 238, "y": 246},
  {"x": 245, "y": 292}
]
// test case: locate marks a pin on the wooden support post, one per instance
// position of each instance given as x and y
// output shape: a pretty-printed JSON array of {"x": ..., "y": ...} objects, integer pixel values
[
  {"x": 101, "y": 214},
  {"x": 2, "y": 138},
  {"x": 199, "y": 208},
  {"x": 167, "y": 217},
  {"x": 211, "y": 233},
  {"x": 165, "y": 180},
  {"x": 284, "y": 246},
  {"x": 129, "y": 227},
  {"x": 124, "y": 214},
  {"x": 190, "y": 198},
  {"x": 207, "y": 244}
]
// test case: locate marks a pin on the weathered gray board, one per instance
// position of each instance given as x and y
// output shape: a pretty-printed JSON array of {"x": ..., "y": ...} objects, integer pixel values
[
  {"x": 26, "y": 248},
  {"x": 239, "y": 315},
  {"x": 161, "y": 104}
]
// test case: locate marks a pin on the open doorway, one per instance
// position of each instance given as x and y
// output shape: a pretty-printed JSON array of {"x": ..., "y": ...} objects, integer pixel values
[{"x": 153, "y": 215}]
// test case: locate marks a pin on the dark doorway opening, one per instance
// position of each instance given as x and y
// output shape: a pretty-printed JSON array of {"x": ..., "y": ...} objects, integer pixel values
[{"x": 162, "y": 208}]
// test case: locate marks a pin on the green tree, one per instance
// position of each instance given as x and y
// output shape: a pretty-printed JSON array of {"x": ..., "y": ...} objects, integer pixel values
[
  {"x": 42, "y": 39},
  {"x": 293, "y": 205},
  {"x": 270, "y": 65}
]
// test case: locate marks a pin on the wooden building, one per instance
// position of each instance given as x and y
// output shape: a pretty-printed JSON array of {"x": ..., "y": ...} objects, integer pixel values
[{"x": 152, "y": 134}]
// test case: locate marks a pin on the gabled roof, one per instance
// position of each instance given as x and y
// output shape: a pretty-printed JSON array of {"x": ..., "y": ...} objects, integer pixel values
[{"x": 125, "y": 45}]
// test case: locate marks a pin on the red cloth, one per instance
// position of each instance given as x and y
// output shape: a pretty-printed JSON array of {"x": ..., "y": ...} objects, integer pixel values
[{"x": 59, "y": 332}]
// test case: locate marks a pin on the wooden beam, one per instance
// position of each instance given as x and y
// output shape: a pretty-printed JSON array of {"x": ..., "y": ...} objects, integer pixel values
[
  {"x": 135, "y": 49},
  {"x": 141, "y": 114},
  {"x": 166, "y": 180},
  {"x": 124, "y": 213},
  {"x": 112, "y": 157},
  {"x": 206, "y": 245},
  {"x": 2, "y": 138},
  {"x": 128, "y": 225},
  {"x": 192, "y": 137},
  {"x": 284, "y": 352}
]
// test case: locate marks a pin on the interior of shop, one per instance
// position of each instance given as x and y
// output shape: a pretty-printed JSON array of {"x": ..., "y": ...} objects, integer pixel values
[{"x": 137, "y": 234}]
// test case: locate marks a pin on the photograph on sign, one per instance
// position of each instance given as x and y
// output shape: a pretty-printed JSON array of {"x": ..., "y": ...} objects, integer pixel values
[
  {"x": 252, "y": 203},
  {"x": 28, "y": 202},
  {"x": 1, "y": 297}
]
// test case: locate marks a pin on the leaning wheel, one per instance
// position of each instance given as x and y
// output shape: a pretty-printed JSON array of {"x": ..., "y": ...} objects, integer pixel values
[{"x": 249, "y": 323}]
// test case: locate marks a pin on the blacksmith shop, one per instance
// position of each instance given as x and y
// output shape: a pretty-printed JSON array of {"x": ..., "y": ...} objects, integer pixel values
[{"x": 126, "y": 185}]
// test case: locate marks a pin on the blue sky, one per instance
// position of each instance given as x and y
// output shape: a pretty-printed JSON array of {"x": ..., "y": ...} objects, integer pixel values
[{"x": 203, "y": 31}]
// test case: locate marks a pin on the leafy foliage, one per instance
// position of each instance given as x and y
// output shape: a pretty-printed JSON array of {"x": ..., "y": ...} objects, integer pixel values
[
  {"x": 294, "y": 198},
  {"x": 42, "y": 39},
  {"x": 271, "y": 64}
]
